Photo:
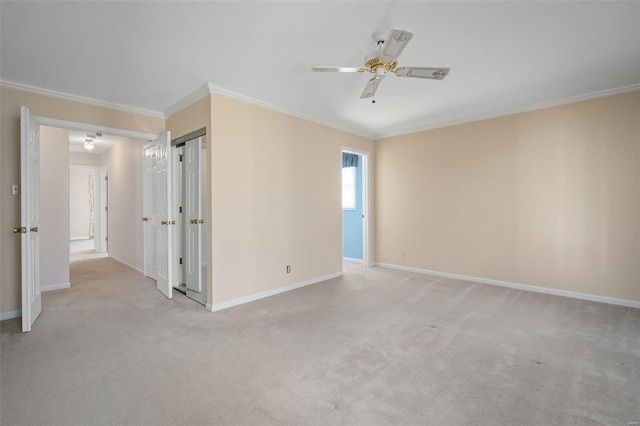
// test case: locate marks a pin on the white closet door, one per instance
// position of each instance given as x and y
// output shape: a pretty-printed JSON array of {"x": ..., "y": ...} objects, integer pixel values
[
  {"x": 193, "y": 214},
  {"x": 30, "y": 218},
  {"x": 162, "y": 197}
]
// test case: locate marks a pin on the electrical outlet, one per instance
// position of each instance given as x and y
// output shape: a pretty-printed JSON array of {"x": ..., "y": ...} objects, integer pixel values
[
  {"x": 288, "y": 269},
  {"x": 15, "y": 189}
]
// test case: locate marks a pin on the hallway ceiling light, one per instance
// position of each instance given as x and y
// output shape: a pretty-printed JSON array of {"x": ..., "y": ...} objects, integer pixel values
[{"x": 88, "y": 144}]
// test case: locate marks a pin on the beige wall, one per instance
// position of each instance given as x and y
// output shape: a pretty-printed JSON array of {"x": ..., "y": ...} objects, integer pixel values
[
  {"x": 275, "y": 198},
  {"x": 274, "y": 195},
  {"x": 548, "y": 198},
  {"x": 54, "y": 206},
  {"x": 79, "y": 202},
  {"x": 125, "y": 225},
  {"x": 10, "y": 103},
  {"x": 194, "y": 117}
]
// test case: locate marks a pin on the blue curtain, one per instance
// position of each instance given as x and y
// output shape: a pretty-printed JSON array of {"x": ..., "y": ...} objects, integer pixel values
[{"x": 349, "y": 160}]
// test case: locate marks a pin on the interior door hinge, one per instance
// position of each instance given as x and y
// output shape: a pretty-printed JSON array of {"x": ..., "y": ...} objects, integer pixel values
[
  {"x": 180, "y": 156},
  {"x": 181, "y": 261},
  {"x": 180, "y": 209}
]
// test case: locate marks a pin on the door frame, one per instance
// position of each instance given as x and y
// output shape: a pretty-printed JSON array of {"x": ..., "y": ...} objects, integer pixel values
[
  {"x": 197, "y": 277},
  {"x": 92, "y": 128},
  {"x": 367, "y": 252}
]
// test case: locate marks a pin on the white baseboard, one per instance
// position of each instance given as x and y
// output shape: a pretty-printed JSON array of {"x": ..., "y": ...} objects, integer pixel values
[
  {"x": 52, "y": 287},
  {"x": 10, "y": 315},
  {"x": 352, "y": 260},
  {"x": 517, "y": 286},
  {"x": 125, "y": 263},
  {"x": 268, "y": 293},
  {"x": 80, "y": 238}
]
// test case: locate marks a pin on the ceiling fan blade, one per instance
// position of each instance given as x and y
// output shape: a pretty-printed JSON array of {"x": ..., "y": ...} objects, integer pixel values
[
  {"x": 370, "y": 88},
  {"x": 423, "y": 72},
  {"x": 336, "y": 69},
  {"x": 395, "y": 43}
]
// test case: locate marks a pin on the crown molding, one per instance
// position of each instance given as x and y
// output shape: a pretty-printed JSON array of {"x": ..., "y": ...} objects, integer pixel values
[
  {"x": 80, "y": 99},
  {"x": 509, "y": 111},
  {"x": 213, "y": 89},
  {"x": 193, "y": 97},
  {"x": 207, "y": 89}
]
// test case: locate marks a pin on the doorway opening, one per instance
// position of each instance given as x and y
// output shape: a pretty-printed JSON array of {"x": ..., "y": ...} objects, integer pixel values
[
  {"x": 355, "y": 210},
  {"x": 174, "y": 215},
  {"x": 88, "y": 210},
  {"x": 44, "y": 199}
]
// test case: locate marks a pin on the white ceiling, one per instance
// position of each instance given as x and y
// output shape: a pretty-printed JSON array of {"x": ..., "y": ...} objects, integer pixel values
[
  {"x": 101, "y": 144},
  {"x": 504, "y": 56}
]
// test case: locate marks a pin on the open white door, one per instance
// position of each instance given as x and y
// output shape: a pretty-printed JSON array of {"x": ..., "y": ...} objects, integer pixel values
[
  {"x": 163, "y": 214},
  {"x": 30, "y": 217},
  {"x": 150, "y": 203},
  {"x": 193, "y": 217}
]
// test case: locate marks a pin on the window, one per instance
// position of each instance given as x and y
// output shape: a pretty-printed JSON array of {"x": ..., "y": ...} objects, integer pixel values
[{"x": 348, "y": 188}]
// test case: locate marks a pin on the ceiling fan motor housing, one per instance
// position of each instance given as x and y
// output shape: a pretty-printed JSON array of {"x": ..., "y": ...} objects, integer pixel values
[{"x": 375, "y": 60}]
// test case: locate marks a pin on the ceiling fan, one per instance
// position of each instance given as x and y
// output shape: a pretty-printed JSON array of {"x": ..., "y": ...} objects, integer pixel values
[{"x": 384, "y": 60}]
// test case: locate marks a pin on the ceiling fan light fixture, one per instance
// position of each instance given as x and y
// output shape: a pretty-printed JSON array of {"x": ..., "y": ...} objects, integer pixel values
[{"x": 88, "y": 144}]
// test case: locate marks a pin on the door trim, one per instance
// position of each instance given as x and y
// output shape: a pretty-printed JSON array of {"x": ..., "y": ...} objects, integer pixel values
[
  {"x": 85, "y": 127},
  {"x": 367, "y": 252},
  {"x": 93, "y": 128}
]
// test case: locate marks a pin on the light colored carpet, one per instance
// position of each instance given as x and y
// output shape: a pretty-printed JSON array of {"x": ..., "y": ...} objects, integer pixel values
[{"x": 373, "y": 347}]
